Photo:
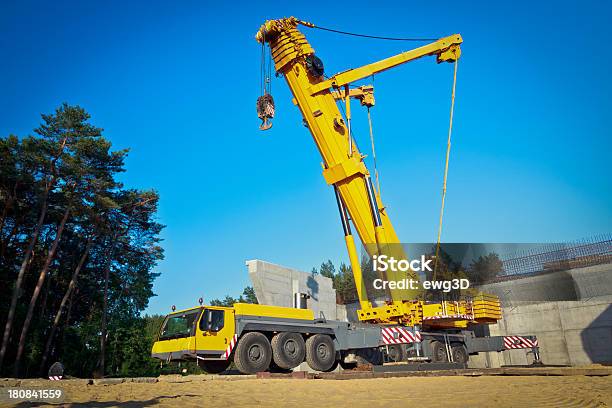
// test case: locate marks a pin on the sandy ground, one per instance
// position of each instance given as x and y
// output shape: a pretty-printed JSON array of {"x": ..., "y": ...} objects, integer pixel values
[{"x": 459, "y": 391}]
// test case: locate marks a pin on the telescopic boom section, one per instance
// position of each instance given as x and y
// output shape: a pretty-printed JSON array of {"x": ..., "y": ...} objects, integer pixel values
[{"x": 343, "y": 165}]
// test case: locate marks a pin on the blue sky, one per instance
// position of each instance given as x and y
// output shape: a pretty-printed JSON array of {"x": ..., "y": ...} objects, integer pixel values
[{"x": 176, "y": 82}]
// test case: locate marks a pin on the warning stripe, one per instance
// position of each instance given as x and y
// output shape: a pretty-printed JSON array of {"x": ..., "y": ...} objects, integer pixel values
[
  {"x": 399, "y": 335},
  {"x": 230, "y": 347},
  {"x": 55, "y": 377},
  {"x": 457, "y": 316},
  {"x": 519, "y": 342}
]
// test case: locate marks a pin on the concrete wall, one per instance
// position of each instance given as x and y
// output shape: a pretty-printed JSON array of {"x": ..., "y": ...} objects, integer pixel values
[
  {"x": 572, "y": 332},
  {"x": 573, "y": 284},
  {"x": 275, "y": 285}
]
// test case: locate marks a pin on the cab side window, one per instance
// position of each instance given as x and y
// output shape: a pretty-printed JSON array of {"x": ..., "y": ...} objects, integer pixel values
[{"x": 212, "y": 320}]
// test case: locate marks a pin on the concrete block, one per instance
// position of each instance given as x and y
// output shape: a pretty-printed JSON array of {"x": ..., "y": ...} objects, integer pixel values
[
  {"x": 597, "y": 344},
  {"x": 579, "y": 315},
  {"x": 570, "y": 331},
  {"x": 515, "y": 357},
  {"x": 593, "y": 281},
  {"x": 276, "y": 285},
  {"x": 527, "y": 318}
]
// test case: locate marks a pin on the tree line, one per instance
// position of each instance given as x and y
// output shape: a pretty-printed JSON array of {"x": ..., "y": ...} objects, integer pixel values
[
  {"x": 247, "y": 296},
  {"x": 479, "y": 271},
  {"x": 77, "y": 251},
  {"x": 344, "y": 281}
]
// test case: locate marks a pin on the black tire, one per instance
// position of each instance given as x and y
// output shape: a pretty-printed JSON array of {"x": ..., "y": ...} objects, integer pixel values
[
  {"x": 333, "y": 367},
  {"x": 460, "y": 354},
  {"x": 320, "y": 352},
  {"x": 253, "y": 353},
  {"x": 438, "y": 352},
  {"x": 396, "y": 352},
  {"x": 214, "y": 366},
  {"x": 288, "y": 349}
]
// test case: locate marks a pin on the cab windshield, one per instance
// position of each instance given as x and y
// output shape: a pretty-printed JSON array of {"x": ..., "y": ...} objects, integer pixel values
[{"x": 179, "y": 325}]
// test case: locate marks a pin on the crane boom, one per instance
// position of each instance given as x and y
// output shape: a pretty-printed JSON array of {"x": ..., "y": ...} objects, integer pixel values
[{"x": 343, "y": 164}]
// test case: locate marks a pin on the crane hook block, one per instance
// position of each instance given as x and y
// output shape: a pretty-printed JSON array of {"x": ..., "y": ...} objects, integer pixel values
[{"x": 265, "y": 111}]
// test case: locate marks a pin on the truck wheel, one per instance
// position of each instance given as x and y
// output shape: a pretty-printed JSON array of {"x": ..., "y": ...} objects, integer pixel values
[
  {"x": 214, "y": 366},
  {"x": 288, "y": 349},
  {"x": 320, "y": 352},
  {"x": 438, "y": 352},
  {"x": 333, "y": 367},
  {"x": 253, "y": 353},
  {"x": 396, "y": 353},
  {"x": 460, "y": 354}
]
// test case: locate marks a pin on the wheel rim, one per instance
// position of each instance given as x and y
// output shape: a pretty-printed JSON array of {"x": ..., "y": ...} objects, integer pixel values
[
  {"x": 441, "y": 354},
  {"x": 322, "y": 351},
  {"x": 255, "y": 353},
  {"x": 290, "y": 348},
  {"x": 458, "y": 356}
]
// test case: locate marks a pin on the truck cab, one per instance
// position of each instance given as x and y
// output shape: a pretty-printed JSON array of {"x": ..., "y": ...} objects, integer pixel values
[{"x": 203, "y": 332}]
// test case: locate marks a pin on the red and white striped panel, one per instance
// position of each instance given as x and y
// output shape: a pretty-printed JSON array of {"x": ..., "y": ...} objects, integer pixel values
[
  {"x": 55, "y": 377},
  {"x": 457, "y": 316},
  {"x": 399, "y": 335},
  {"x": 230, "y": 347},
  {"x": 519, "y": 342}
]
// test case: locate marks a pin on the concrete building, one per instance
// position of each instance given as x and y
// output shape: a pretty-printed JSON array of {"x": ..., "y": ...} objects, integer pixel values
[
  {"x": 569, "y": 311},
  {"x": 277, "y": 285}
]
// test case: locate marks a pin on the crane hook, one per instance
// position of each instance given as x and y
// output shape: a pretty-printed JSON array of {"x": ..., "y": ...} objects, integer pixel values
[
  {"x": 265, "y": 111},
  {"x": 265, "y": 124}
]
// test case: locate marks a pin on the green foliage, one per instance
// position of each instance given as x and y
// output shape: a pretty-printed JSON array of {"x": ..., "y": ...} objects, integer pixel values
[
  {"x": 344, "y": 281},
  {"x": 130, "y": 347},
  {"x": 248, "y": 296},
  {"x": 485, "y": 268},
  {"x": 327, "y": 269},
  {"x": 69, "y": 166}
]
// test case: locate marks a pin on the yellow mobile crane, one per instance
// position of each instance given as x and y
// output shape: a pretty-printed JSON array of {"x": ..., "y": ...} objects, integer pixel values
[
  {"x": 261, "y": 337},
  {"x": 344, "y": 168}
]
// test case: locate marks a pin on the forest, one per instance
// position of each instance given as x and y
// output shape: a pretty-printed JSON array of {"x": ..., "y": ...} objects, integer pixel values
[{"x": 77, "y": 253}]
